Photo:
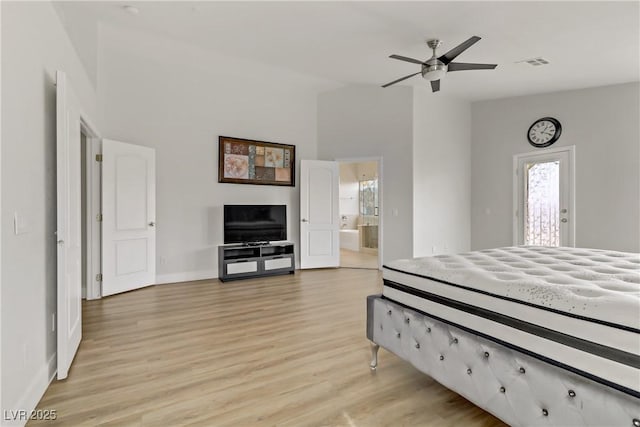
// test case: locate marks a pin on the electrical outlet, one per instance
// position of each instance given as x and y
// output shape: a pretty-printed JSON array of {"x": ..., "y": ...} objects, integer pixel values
[{"x": 162, "y": 260}]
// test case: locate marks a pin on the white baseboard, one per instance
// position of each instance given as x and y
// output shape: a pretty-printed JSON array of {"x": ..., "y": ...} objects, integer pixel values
[
  {"x": 32, "y": 395},
  {"x": 186, "y": 276}
]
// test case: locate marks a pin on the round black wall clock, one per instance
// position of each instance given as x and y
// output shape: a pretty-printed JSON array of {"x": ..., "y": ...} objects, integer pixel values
[{"x": 544, "y": 132}]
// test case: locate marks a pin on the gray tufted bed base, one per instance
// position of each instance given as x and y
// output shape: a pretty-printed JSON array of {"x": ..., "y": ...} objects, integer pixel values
[{"x": 520, "y": 389}]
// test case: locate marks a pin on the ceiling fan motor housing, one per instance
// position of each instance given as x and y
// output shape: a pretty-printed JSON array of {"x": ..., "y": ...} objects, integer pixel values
[{"x": 433, "y": 69}]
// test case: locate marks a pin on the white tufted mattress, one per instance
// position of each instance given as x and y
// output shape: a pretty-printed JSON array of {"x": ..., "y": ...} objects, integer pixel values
[{"x": 576, "y": 308}]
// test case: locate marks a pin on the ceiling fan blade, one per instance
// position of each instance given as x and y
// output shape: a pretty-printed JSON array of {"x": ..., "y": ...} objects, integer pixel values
[
  {"x": 400, "y": 79},
  {"x": 406, "y": 59},
  {"x": 462, "y": 66},
  {"x": 435, "y": 85},
  {"x": 451, "y": 55}
]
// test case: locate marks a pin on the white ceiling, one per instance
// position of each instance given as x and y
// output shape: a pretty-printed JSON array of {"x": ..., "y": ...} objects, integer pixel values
[{"x": 587, "y": 43}]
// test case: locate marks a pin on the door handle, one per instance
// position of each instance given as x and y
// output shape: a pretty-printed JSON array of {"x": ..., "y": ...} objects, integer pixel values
[
  {"x": 564, "y": 220},
  {"x": 304, "y": 220},
  {"x": 61, "y": 242},
  {"x": 152, "y": 224}
]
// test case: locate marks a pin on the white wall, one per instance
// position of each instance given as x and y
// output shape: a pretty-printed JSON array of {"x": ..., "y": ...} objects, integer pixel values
[
  {"x": 80, "y": 25},
  {"x": 603, "y": 125},
  {"x": 366, "y": 121},
  {"x": 441, "y": 173},
  {"x": 34, "y": 46},
  {"x": 178, "y": 99}
]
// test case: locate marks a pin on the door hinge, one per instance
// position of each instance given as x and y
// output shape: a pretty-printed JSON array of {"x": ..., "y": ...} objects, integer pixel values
[
  {"x": 99, "y": 217},
  {"x": 98, "y": 157},
  {"x": 99, "y": 277}
]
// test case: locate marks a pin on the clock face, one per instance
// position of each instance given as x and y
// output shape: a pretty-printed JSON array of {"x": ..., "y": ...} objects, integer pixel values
[{"x": 544, "y": 132}]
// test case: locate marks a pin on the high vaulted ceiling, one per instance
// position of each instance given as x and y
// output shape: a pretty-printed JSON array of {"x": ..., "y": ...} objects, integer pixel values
[{"x": 587, "y": 43}]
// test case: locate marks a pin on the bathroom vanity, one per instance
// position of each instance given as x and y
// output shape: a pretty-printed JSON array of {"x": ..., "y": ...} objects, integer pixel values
[{"x": 368, "y": 238}]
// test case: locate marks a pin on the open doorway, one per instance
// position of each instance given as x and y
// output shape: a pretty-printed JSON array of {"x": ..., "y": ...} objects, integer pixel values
[
  {"x": 91, "y": 217},
  {"x": 90, "y": 214},
  {"x": 90, "y": 201},
  {"x": 83, "y": 216},
  {"x": 360, "y": 211},
  {"x": 127, "y": 187}
]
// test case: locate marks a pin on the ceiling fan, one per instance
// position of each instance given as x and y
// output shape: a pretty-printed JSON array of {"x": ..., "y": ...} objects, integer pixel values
[{"x": 434, "y": 68}]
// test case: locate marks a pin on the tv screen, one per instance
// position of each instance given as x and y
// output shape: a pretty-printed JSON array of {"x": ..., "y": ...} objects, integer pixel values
[{"x": 255, "y": 223}]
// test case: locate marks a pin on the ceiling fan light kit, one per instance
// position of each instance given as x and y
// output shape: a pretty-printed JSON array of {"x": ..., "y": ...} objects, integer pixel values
[{"x": 435, "y": 68}]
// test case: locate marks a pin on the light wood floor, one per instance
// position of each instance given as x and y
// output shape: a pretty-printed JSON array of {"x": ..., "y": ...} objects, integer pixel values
[
  {"x": 353, "y": 259},
  {"x": 287, "y": 350}
]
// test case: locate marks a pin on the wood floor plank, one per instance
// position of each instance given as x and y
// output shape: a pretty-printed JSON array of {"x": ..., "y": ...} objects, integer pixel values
[
  {"x": 354, "y": 259},
  {"x": 286, "y": 350}
]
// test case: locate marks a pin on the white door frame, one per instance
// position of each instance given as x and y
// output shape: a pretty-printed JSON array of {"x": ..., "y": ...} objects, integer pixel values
[
  {"x": 380, "y": 199},
  {"x": 518, "y": 191},
  {"x": 92, "y": 197},
  {"x": 92, "y": 193}
]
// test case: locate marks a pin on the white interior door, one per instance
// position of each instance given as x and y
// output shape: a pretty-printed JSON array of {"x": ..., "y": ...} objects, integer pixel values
[
  {"x": 319, "y": 214},
  {"x": 128, "y": 217},
  {"x": 544, "y": 208},
  {"x": 69, "y": 234}
]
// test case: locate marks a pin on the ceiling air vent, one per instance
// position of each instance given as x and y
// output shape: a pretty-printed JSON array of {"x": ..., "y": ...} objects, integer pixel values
[{"x": 534, "y": 61}]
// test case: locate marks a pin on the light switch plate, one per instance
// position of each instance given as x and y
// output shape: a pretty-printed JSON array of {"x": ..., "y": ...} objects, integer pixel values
[{"x": 21, "y": 224}]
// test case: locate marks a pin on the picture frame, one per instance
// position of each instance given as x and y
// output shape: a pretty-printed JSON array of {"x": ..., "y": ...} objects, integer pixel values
[{"x": 248, "y": 161}]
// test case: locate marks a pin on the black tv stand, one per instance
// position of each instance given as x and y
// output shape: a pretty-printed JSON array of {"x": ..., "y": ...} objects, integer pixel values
[
  {"x": 256, "y": 243},
  {"x": 255, "y": 259}
]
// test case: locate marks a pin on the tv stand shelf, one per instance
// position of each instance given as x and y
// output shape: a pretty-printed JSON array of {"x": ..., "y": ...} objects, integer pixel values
[{"x": 246, "y": 261}]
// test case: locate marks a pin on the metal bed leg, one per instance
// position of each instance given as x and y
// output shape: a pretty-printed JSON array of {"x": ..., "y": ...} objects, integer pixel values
[{"x": 374, "y": 356}]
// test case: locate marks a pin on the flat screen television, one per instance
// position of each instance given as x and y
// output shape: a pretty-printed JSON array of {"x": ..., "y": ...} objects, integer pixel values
[{"x": 255, "y": 223}]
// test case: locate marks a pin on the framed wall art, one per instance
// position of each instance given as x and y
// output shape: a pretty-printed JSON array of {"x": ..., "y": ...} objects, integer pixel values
[{"x": 245, "y": 161}]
